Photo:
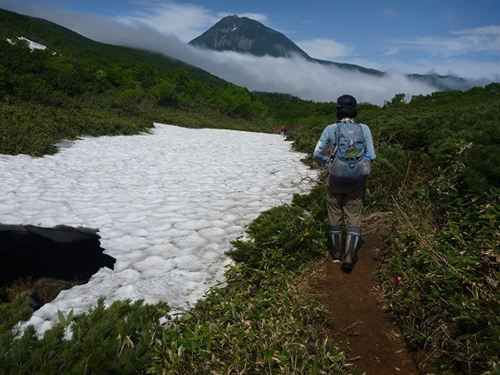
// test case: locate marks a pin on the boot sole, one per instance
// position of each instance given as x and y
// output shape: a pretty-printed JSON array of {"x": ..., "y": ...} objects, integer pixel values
[{"x": 346, "y": 267}]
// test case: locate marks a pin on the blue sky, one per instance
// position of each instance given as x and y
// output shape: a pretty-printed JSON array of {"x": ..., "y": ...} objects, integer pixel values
[{"x": 447, "y": 36}]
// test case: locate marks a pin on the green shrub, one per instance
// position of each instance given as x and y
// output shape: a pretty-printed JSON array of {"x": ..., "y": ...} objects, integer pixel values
[
  {"x": 261, "y": 322},
  {"x": 113, "y": 340}
]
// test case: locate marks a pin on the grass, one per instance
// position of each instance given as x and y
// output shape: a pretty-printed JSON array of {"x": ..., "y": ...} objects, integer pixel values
[{"x": 447, "y": 301}]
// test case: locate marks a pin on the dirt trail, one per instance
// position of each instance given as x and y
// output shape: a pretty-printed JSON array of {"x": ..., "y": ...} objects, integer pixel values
[{"x": 357, "y": 322}]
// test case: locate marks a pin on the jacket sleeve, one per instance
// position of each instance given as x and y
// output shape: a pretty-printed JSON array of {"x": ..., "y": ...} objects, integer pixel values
[
  {"x": 324, "y": 141},
  {"x": 369, "y": 148}
]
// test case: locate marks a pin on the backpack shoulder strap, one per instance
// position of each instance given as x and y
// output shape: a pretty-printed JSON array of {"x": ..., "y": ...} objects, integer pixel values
[
  {"x": 364, "y": 140},
  {"x": 336, "y": 148},
  {"x": 362, "y": 133}
]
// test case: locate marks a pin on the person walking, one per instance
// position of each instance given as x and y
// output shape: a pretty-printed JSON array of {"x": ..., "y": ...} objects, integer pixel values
[{"x": 348, "y": 162}]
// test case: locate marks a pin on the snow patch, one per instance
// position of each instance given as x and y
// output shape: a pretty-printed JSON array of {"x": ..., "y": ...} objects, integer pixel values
[
  {"x": 167, "y": 204},
  {"x": 31, "y": 44}
]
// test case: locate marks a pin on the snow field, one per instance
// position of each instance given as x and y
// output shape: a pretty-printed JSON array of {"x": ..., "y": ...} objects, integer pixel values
[{"x": 167, "y": 205}]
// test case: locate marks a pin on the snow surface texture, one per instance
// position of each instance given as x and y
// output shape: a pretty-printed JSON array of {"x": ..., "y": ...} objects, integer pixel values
[
  {"x": 31, "y": 44},
  {"x": 167, "y": 205}
]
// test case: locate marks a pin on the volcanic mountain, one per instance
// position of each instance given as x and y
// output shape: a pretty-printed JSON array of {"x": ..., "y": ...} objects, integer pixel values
[
  {"x": 233, "y": 33},
  {"x": 245, "y": 35}
]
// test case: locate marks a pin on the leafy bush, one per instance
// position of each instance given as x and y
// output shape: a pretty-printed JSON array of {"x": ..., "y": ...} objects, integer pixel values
[
  {"x": 283, "y": 234},
  {"x": 261, "y": 322},
  {"x": 447, "y": 299},
  {"x": 444, "y": 240},
  {"x": 113, "y": 340}
]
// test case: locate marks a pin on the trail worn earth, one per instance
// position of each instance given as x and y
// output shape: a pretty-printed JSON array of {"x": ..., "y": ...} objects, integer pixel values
[{"x": 357, "y": 322}]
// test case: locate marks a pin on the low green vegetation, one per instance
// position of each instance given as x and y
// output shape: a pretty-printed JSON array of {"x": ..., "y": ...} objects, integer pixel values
[
  {"x": 113, "y": 340},
  {"x": 445, "y": 240}
]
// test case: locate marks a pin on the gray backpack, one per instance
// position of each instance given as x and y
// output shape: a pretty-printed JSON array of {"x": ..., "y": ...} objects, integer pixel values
[{"x": 349, "y": 164}]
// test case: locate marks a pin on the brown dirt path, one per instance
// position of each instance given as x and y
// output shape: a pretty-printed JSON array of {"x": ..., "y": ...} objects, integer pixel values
[{"x": 357, "y": 322}]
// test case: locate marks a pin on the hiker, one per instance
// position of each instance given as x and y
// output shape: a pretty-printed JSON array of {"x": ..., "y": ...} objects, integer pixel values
[{"x": 348, "y": 166}]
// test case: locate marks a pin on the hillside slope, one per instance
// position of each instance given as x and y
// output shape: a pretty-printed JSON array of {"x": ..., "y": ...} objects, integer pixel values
[
  {"x": 65, "y": 41},
  {"x": 78, "y": 86}
]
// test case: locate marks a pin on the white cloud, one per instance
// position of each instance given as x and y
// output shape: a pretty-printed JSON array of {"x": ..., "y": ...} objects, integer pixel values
[
  {"x": 186, "y": 21},
  {"x": 461, "y": 42},
  {"x": 326, "y": 49},
  {"x": 470, "y": 69},
  {"x": 483, "y": 30},
  {"x": 255, "y": 16},
  {"x": 391, "y": 51},
  {"x": 306, "y": 79}
]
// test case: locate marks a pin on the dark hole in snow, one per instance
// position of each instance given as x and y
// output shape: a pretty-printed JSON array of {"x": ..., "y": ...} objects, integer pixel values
[{"x": 43, "y": 261}]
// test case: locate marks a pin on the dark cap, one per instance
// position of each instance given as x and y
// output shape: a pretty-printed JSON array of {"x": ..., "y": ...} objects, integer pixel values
[{"x": 346, "y": 101}]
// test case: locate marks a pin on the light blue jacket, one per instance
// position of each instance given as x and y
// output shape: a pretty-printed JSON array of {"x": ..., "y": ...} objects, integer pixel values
[{"x": 328, "y": 138}]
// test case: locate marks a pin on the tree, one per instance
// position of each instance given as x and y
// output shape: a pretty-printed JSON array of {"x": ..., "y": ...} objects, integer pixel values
[
  {"x": 165, "y": 92},
  {"x": 397, "y": 100}
]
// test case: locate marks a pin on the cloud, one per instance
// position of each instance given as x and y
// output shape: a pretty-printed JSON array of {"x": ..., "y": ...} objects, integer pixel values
[
  {"x": 326, "y": 49},
  {"x": 296, "y": 76},
  {"x": 460, "y": 42},
  {"x": 255, "y": 16},
  {"x": 186, "y": 21},
  {"x": 478, "y": 72},
  {"x": 391, "y": 51},
  {"x": 483, "y": 30},
  {"x": 306, "y": 79}
]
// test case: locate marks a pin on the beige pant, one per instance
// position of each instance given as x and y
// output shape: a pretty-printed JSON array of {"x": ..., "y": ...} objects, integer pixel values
[{"x": 345, "y": 203}]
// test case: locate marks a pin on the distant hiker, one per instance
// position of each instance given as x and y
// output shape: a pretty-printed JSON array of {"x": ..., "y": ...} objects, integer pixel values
[
  {"x": 283, "y": 130},
  {"x": 348, "y": 166}
]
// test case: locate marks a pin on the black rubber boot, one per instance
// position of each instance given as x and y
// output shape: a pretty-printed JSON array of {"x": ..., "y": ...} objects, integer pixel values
[
  {"x": 351, "y": 247},
  {"x": 337, "y": 252},
  {"x": 336, "y": 238}
]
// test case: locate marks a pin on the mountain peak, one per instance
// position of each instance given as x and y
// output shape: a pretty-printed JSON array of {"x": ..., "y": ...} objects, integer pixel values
[
  {"x": 243, "y": 34},
  {"x": 234, "y": 17}
]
